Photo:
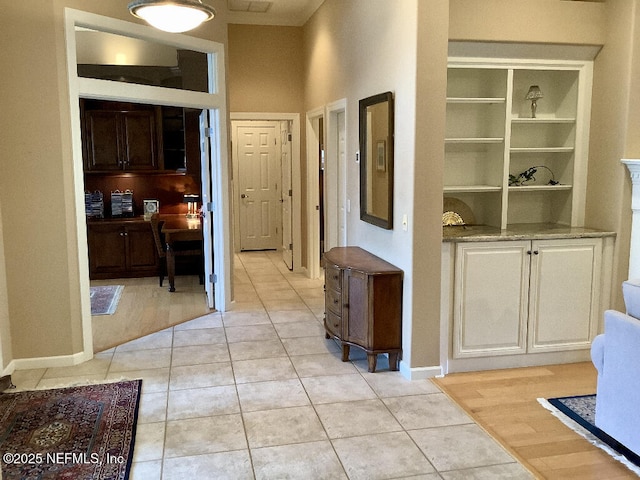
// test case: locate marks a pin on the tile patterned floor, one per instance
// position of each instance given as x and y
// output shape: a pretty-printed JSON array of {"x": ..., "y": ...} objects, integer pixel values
[{"x": 258, "y": 393}]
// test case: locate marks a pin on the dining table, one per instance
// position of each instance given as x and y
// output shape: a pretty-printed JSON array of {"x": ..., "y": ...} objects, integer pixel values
[{"x": 178, "y": 228}]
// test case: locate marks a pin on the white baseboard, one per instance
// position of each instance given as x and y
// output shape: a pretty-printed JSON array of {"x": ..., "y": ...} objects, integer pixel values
[
  {"x": 48, "y": 362},
  {"x": 420, "y": 373}
]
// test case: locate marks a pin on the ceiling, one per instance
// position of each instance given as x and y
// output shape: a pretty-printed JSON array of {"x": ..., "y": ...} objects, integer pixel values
[{"x": 271, "y": 12}]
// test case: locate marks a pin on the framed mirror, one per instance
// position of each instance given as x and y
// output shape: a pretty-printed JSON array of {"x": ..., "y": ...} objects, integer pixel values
[{"x": 376, "y": 160}]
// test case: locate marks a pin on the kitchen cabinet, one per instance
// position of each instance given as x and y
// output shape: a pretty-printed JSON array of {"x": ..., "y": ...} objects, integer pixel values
[
  {"x": 121, "y": 248},
  {"x": 526, "y": 296},
  {"x": 363, "y": 304},
  {"x": 121, "y": 137}
]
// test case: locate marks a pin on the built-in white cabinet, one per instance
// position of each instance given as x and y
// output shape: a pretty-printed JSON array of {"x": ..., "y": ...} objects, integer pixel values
[
  {"x": 525, "y": 296},
  {"x": 492, "y": 136}
]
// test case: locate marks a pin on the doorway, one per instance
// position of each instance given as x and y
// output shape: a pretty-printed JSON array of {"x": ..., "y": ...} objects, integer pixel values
[
  {"x": 327, "y": 203},
  {"x": 216, "y": 229},
  {"x": 283, "y": 130},
  {"x": 335, "y": 174},
  {"x": 257, "y": 165}
]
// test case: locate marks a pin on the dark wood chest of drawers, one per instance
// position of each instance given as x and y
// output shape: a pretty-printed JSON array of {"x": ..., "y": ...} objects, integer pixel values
[{"x": 363, "y": 304}]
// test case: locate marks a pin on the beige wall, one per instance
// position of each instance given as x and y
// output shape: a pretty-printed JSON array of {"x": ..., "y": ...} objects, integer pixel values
[
  {"x": 614, "y": 126},
  {"x": 360, "y": 48},
  {"x": 543, "y": 21},
  {"x": 41, "y": 308},
  {"x": 265, "y": 69},
  {"x": 34, "y": 187},
  {"x": 606, "y": 190},
  {"x": 431, "y": 95}
]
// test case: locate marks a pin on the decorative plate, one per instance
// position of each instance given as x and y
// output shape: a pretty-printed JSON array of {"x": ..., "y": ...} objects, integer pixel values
[
  {"x": 456, "y": 212},
  {"x": 452, "y": 218}
]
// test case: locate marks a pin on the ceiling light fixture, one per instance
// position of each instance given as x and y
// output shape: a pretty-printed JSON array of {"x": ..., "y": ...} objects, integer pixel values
[{"x": 173, "y": 16}]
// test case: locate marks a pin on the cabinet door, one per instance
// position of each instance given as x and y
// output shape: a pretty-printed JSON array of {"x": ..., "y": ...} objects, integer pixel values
[
  {"x": 102, "y": 140},
  {"x": 490, "y": 298},
  {"x": 141, "y": 249},
  {"x": 139, "y": 139},
  {"x": 107, "y": 252},
  {"x": 356, "y": 308},
  {"x": 563, "y": 313}
]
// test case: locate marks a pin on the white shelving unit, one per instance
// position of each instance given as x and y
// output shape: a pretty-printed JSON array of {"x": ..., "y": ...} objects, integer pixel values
[{"x": 490, "y": 135}]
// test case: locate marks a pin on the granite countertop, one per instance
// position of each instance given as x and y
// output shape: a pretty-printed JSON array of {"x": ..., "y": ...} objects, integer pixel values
[{"x": 524, "y": 231}]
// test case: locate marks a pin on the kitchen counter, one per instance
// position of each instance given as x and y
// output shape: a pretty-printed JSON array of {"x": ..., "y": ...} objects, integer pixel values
[{"x": 524, "y": 231}]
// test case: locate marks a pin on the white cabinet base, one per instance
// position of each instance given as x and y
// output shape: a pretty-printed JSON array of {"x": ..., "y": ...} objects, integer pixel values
[{"x": 516, "y": 303}]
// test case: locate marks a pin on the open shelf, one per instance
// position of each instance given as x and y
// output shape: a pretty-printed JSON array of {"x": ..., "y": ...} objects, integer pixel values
[
  {"x": 539, "y": 188},
  {"x": 479, "y": 140},
  {"x": 543, "y": 120},
  {"x": 471, "y": 188},
  {"x": 490, "y": 134},
  {"x": 491, "y": 100}
]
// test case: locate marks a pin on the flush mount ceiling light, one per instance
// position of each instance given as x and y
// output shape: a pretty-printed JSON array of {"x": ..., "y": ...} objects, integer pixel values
[{"x": 172, "y": 15}]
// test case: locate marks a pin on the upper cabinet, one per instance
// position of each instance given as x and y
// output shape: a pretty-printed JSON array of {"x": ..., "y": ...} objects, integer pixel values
[
  {"x": 121, "y": 136},
  {"x": 517, "y": 139}
]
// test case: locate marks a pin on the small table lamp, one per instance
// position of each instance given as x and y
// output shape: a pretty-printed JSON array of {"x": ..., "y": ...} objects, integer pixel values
[
  {"x": 191, "y": 199},
  {"x": 534, "y": 94}
]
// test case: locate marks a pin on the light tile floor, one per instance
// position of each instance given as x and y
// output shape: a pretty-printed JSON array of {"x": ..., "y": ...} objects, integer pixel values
[{"x": 259, "y": 393}]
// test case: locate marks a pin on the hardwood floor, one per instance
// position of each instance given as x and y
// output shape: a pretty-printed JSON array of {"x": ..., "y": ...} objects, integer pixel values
[
  {"x": 504, "y": 403},
  {"x": 145, "y": 308}
]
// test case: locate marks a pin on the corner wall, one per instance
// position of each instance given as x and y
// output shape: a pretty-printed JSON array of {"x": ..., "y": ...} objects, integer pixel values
[
  {"x": 360, "y": 48},
  {"x": 608, "y": 203}
]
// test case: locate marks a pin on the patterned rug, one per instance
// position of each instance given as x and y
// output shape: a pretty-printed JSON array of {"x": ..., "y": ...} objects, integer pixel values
[
  {"x": 579, "y": 413},
  {"x": 104, "y": 300},
  {"x": 75, "y": 433}
]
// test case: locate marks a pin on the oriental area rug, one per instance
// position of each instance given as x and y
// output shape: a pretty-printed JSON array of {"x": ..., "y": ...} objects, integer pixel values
[
  {"x": 75, "y": 433},
  {"x": 579, "y": 414},
  {"x": 104, "y": 299}
]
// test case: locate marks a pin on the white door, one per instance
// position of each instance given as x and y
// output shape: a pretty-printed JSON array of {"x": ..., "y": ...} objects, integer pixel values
[
  {"x": 257, "y": 151},
  {"x": 207, "y": 201},
  {"x": 286, "y": 196}
]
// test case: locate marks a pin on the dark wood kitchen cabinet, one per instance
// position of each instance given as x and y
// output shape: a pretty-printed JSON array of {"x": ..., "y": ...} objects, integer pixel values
[
  {"x": 363, "y": 304},
  {"x": 121, "y": 136},
  {"x": 121, "y": 248}
]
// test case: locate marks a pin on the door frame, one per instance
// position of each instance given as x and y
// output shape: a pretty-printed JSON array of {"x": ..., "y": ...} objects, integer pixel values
[
  {"x": 335, "y": 177},
  {"x": 296, "y": 183},
  {"x": 313, "y": 195},
  {"x": 214, "y": 102}
]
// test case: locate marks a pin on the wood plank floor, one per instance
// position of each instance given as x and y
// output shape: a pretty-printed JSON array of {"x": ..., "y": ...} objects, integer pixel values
[
  {"x": 504, "y": 403},
  {"x": 145, "y": 308}
]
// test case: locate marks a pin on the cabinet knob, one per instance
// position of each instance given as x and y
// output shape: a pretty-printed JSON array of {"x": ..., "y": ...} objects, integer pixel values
[{"x": 335, "y": 301}]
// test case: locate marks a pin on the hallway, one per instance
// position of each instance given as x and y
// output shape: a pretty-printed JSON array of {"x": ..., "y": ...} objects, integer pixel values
[{"x": 259, "y": 393}]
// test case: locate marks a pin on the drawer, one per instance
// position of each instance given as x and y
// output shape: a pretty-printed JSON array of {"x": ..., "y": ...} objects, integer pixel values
[
  {"x": 332, "y": 301},
  {"x": 333, "y": 323},
  {"x": 332, "y": 278}
]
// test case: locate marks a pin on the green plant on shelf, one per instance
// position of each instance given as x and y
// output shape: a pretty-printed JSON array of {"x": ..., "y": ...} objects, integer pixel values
[{"x": 529, "y": 175}]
